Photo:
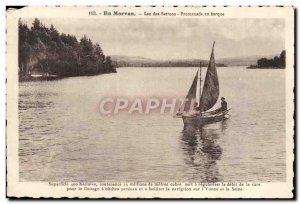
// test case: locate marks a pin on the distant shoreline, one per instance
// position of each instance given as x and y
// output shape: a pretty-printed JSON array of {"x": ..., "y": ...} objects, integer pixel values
[
  {"x": 138, "y": 61},
  {"x": 153, "y": 66},
  {"x": 252, "y": 67},
  {"x": 143, "y": 62},
  {"x": 204, "y": 67}
]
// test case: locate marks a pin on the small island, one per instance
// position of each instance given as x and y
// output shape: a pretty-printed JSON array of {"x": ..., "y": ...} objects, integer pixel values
[
  {"x": 46, "y": 54},
  {"x": 275, "y": 63}
]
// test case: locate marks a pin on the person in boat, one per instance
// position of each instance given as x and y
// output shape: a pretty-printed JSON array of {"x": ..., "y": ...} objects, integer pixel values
[{"x": 223, "y": 105}]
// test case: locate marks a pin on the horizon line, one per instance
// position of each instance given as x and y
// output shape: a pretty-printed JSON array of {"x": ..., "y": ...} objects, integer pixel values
[{"x": 161, "y": 59}]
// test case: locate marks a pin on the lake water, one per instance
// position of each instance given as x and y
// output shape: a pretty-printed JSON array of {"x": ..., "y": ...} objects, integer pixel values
[{"x": 63, "y": 137}]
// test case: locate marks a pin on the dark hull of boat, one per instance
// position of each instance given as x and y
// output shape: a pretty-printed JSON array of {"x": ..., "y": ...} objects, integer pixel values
[{"x": 199, "y": 120}]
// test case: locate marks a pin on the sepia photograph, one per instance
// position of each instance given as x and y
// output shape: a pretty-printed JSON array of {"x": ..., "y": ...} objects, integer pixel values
[{"x": 178, "y": 102}]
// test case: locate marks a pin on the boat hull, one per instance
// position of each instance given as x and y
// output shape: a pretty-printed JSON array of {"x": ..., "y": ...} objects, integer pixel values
[{"x": 203, "y": 119}]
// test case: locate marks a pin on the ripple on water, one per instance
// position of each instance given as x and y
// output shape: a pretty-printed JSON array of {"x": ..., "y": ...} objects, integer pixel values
[{"x": 63, "y": 137}]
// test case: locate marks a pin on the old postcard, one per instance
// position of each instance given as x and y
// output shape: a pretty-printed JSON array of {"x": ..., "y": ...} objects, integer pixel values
[{"x": 150, "y": 102}]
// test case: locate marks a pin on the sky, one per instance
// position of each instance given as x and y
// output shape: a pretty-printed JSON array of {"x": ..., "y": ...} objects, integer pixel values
[{"x": 180, "y": 38}]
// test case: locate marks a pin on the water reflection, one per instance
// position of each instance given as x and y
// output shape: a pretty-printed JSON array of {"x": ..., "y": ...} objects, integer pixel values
[{"x": 202, "y": 150}]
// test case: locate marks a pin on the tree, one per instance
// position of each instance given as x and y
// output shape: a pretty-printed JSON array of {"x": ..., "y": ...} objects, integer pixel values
[
  {"x": 108, "y": 65},
  {"x": 54, "y": 35},
  {"x": 36, "y": 25},
  {"x": 24, "y": 56},
  {"x": 100, "y": 58},
  {"x": 282, "y": 59},
  {"x": 276, "y": 62},
  {"x": 45, "y": 50},
  {"x": 24, "y": 47}
]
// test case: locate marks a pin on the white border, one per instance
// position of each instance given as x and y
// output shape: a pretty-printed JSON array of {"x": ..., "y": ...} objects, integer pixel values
[{"x": 296, "y": 3}]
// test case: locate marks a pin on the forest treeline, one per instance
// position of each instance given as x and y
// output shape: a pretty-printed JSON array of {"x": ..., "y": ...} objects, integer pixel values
[
  {"x": 278, "y": 62},
  {"x": 44, "y": 50}
]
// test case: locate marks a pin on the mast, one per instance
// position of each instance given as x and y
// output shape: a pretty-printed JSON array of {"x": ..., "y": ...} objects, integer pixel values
[
  {"x": 200, "y": 81},
  {"x": 200, "y": 88}
]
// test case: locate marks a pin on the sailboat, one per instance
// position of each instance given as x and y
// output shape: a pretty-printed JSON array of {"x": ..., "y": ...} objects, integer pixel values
[{"x": 207, "y": 99}]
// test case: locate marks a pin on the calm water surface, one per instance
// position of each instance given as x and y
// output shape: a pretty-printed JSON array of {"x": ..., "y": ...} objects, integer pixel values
[{"x": 63, "y": 137}]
